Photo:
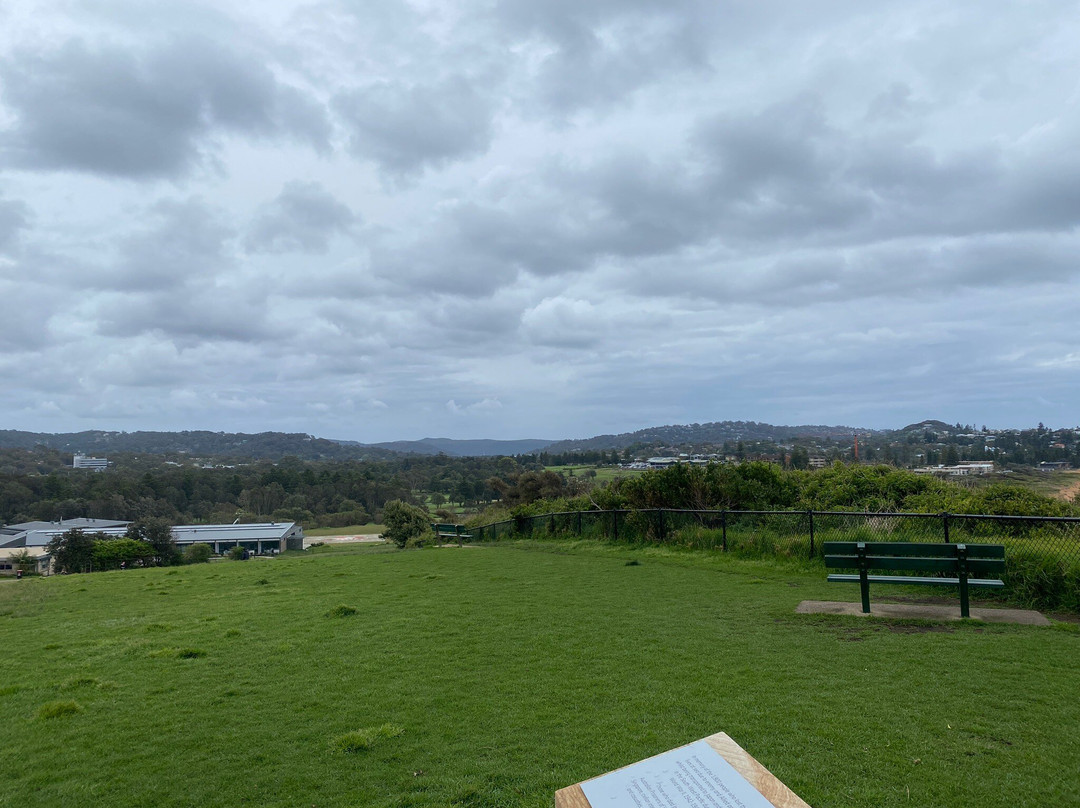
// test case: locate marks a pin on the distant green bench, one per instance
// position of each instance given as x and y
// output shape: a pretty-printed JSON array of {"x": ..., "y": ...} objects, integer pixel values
[
  {"x": 959, "y": 562},
  {"x": 450, "y": 531}
]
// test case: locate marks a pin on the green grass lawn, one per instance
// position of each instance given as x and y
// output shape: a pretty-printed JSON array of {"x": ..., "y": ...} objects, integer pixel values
[
  {"x": 603, "y": 473},
  {"x": 493, "y": 676},
  {"x": 349, "y": 530}
]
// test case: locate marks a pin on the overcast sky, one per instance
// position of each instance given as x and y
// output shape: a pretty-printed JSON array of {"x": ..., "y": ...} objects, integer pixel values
[{"x": 537, "y": 218}]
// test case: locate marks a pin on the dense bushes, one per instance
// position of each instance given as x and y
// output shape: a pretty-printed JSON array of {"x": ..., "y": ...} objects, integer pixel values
[
  {"x": 111, "y": 553},
  {"x": 765, "y": 486},
  {"x": 197, "y": 553},
  {"x": 404, "y": 523}
]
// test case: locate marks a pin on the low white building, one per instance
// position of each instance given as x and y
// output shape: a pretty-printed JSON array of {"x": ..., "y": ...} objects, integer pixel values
[
  {"x": 81, "y": 461},
  {"x": 260, "y": 539},
  {"x": 33, "y": 538},
  {"x": 263, "y": 538}
]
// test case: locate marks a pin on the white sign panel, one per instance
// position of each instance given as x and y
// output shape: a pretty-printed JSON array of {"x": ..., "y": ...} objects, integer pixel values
[{"x": 693, "y": 776}]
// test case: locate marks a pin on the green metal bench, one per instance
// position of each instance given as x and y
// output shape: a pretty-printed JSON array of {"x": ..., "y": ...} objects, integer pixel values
[
  {"x": 450, "y": 531},
  {"x": 958, "y": 562}
]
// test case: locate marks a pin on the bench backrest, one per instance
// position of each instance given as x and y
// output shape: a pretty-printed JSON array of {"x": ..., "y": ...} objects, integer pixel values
[{"x": 980, "y": 559}]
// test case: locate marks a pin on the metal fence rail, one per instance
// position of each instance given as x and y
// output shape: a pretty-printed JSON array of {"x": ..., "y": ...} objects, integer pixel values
[{"x": 795, "y": 533}]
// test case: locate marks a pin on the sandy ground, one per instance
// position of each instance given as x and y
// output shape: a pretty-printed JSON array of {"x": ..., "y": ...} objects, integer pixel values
[
  {"x": 1070, "y": 491},
  {"x": 362, "y": 538}
]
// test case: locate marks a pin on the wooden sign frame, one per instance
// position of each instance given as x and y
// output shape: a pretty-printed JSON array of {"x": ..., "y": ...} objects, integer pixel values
[{"x": 757, "y": 775}]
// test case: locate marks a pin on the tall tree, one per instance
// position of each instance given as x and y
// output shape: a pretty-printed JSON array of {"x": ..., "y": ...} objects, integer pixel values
[
  {"x": 158, "y": 534},
  {"x": 72, "y": 551}
]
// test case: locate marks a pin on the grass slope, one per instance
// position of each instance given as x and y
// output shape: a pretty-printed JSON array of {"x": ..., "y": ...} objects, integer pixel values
[{"x": 493, "y": 676}]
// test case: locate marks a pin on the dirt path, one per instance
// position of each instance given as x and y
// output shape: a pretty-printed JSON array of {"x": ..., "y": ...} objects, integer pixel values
[{"x": 364, "y": 538}]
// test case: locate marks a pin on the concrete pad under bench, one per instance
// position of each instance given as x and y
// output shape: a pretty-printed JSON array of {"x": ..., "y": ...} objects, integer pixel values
[{"x": 923, "y": 611}]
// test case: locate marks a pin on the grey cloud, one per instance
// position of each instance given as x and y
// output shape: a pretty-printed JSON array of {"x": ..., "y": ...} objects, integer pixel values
[
  {"x": 118, "y": 112},
  {"x": 193, "y": 315},
  {"x": 26, "y": 313},
  {"x": 408, "y": 127},
  {"x": 14, "y": 217},
  {"x": 302, "y": 218},
  {"x": 600, "y": 52},
  {"x": 186, "y": 240}
]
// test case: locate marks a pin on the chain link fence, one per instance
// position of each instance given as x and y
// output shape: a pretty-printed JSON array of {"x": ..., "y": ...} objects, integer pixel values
[
  {"x": 1042, "y": 553},
  {"x": 796, "y": 533}
]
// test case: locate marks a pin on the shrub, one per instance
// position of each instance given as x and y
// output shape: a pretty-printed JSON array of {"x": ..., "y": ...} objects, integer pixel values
[
  {"x": 111, "y": 553},
  {"x": 1042, "y": 580},
  {"x": 23, "y": 561},
  {"x": 404, "y": 522},
  {"x": 238, "y": 553},
  {"x": 197, "y": 553}
]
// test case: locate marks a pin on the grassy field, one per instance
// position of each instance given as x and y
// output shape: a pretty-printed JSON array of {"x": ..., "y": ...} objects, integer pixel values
[
  {"x": 603, "y": 473},
  {"x": 493, "y": 676},
  {"x": 349, "y": 530},
  {"x": 1063, "y": 485}
]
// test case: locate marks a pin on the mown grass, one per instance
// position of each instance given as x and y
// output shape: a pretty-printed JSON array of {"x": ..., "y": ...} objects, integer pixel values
[
  {"x": 603, "y": 473},
  {"x": 493, "y": 676}
]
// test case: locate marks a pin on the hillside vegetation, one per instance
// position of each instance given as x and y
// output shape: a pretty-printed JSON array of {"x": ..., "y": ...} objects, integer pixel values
[{"x": 766, "y": 486}]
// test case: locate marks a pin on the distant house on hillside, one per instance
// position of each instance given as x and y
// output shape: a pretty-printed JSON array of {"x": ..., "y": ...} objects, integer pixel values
[
  {"x": 1053, "y": 465},
  {"x": 662, "y": 462},
  {"x": 962, "y": 469}
]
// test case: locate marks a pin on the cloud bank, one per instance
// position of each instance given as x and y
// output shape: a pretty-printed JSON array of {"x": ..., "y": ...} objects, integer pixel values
[{"x": 509, "y": 219}]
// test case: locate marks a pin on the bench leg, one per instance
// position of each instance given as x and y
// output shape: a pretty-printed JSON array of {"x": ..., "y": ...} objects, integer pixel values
[
  {"x": 964, "y": 610},
  {"x": 864, "y": 587}
]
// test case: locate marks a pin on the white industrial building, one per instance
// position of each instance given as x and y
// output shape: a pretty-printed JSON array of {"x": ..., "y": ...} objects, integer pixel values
[{"x": 81, "y": 461}]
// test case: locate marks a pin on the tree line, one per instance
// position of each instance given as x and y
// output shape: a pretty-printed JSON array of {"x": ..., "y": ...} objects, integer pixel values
[
  {"x": 331, "y": 493},
  {"x": 768, "y": 486}
]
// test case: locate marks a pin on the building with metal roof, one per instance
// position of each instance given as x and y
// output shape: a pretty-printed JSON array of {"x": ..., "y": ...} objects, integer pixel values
[
  {"x": 38, "y": 534},
  {"x": 263, "y": 538},
  {"x": 260, "y": 538}
]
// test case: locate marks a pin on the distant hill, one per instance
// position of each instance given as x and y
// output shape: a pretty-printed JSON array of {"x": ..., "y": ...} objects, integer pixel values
[
  {"x": 465, "y": 448},
  {"x": 275, "y": 445},
  {"x": 711, "y": 433},
  {"x": 931, "y": 426},
  {"x": 263, "y": 445}
]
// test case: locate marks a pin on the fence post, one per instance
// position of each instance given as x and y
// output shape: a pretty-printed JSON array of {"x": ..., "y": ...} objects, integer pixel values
[
  {"x": 945, "y": 525},
  {"x": 810, "y": 516},
  {"x": 579, "y": 523},
  {"x": 660, "y": 512},
  {"x": 615, "y": 523},
  {"x": 723, "y": 528}
]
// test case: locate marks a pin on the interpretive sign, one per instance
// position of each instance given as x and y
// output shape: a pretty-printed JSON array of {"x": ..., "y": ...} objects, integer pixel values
[
  {"x": 711, "y": 773},
  {"x": 693, "y": 776}
]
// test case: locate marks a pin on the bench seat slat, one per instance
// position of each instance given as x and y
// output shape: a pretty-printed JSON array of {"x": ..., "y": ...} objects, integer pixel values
[
  {"x": 976, "y": 566},
  {"x": 905, "y": 579},
  {"x": 924, "y": 549}
]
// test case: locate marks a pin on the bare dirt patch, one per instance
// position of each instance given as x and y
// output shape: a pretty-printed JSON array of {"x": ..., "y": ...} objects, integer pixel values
[{"x": 1070, "y": 491}]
